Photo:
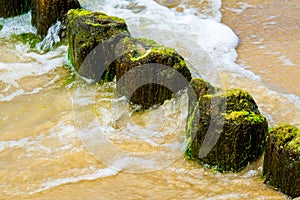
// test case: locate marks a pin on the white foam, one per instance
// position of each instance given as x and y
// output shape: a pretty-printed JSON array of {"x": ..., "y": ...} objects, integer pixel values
[
  {"x": 23, "y": 62},
  {"x": 16, "y": 25},
  {"x": 64, "y": 133},
  {"x": 293, "y": 98},
  {"x": 286, "y": 61},
  {"x": 250, "y": 173},
  {"x": 51, "y": 38},
  {"x": 11, "y": 73},
  {"x": 210, "y": 11},
  {"x": 98, "y": 173},
  {"x": 216, "y": 39}
]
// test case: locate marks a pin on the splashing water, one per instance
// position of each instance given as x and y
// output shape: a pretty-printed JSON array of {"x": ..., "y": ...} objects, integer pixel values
[
  {"x": 51, "y": 38},
  {"x": 41, "y": 154}
]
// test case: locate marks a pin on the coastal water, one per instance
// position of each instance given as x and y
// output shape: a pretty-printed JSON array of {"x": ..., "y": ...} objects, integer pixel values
[{"x": 41, "y": 154}]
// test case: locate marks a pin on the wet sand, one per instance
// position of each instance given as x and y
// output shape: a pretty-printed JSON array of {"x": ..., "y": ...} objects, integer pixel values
[{"x": 269, "y": 33}]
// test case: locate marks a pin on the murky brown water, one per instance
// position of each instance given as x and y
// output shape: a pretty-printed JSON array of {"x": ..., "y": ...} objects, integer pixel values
[
  {"x": 41, "y": 156},
  {"x": 269, "y": 33}
]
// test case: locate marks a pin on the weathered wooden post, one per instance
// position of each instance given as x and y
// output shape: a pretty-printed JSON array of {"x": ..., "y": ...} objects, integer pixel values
[
  {"x": 229, "y": 131},
  {"x": 45, "y": 13},
  {"x": 282, "y": 159},
  {"x": 93, "y": 37},
  {"x": 155, "y": 72},
  {"x": 12, "y": 8}
]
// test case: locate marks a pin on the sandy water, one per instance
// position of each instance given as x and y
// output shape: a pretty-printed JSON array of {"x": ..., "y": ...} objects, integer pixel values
[
  {"x": 42, "y": 156},
  {"x": 269, "y": 40}
]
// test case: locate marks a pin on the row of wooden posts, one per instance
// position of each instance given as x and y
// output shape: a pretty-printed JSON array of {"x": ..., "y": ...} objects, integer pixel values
[{"x": 243, "y": 132}]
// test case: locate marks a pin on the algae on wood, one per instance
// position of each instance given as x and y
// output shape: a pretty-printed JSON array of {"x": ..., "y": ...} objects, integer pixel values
[
  {"x": 159, "y": 72},
  {"x": 229, "y": 132},
  {"x": 93, "y": 37},
  {"x": 47, "y": 13},
  {"x": 282, "y": 159},
  {"x": 12, "y": 8}
]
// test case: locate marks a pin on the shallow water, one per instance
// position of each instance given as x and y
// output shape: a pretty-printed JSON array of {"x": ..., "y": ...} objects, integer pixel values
[{"x": 41, "y": 154}]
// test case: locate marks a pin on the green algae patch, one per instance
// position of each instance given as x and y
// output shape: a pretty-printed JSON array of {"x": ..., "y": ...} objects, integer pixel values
[
  {"x": 201, "y": 87},
  {"x": 282, "y": 159},
  {"x": 94, "y": 15},
  {"x": 233, "y": 120},
  {"x": 144, "y": 47},
  {"x": 294, "y": 144},
  {"x": 249, "y": 116},
  {"x": 238, "y": 100},
  {"x": 79, "y": 12},
  {"x": 27, "y": 38},
  {"x": 95, "y": 19},
  {"x": 286, "y": 136}
]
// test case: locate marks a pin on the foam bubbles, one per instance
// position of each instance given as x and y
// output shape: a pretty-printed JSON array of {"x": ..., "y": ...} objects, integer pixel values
[
  {"x": 28, "y": 64},
  {"x": 16, "y": 25}
]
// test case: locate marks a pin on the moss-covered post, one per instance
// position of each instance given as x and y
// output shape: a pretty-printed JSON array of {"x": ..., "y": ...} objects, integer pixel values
[
  {"x": 93, "y": 37},
  {"x": 159, "y": 72},
  {"x": 200, "y": 88},
  {"x": 233, "y": 120},
  {"x": 282, "y": 159},
  {"x": 45, "y": 13},
  {"x": 12, "y": 8}
]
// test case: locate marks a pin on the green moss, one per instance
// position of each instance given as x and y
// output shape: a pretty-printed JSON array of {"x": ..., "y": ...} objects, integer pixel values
[
  {"x": 148, "y": 42},
  {"x": 188, "y": 153},
  {"x": 79, "y": 12},
  {"x": 69, "y": 58},
  {"x": 201, "y": 88},
  {"x": 236, "y": 114},
  {"x": 155, "y": 47},
  {"x": 286, "y": 136},
  {"x": 162, "y": 50},
  {"x": 1, "y": 26},
  {"x": 116, "y": 19},
  {"x": 71, "y": 72},
  {"x": 71, "y": 75},
  {"x": 30, "y": 38},
  {"x": 236, "y": 100},
  {"x": 143, "y": 47},
  {"x": 242, "y": 134},
  {"x": 256, "y": 118},
  {"x": 189, "y": 131},
  {"x": 237, "y": 92},
  {"x": 249, "y": 116},
  {"x": 100, "y": 15},
  {"x": 294, "y": 144}
]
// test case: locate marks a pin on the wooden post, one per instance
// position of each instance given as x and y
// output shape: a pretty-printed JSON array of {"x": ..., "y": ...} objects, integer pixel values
[
  {"x": 93, "y": 37},
  {"x": 226, "y": 130},
  {"x": 47, "y": 12},
  {"x": 158, "y": 72},
  {"x": 12, "y": 8},
  {"x": 282, "y": 159}
]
